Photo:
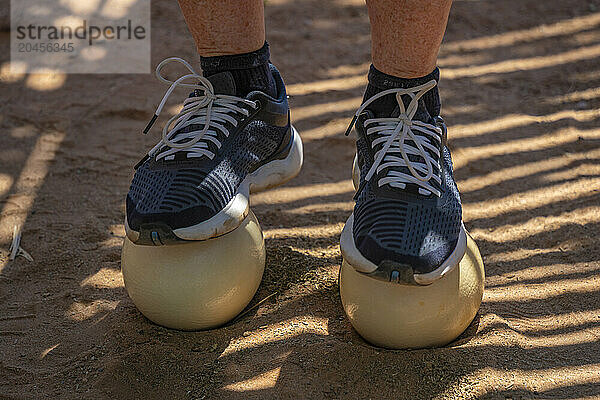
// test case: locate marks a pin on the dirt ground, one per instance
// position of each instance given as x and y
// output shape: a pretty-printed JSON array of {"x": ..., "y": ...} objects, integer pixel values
[{"x": 521, "y": 91}]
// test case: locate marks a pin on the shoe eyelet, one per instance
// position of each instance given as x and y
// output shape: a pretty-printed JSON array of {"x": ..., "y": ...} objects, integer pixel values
[{"x": 257, "y": 104}]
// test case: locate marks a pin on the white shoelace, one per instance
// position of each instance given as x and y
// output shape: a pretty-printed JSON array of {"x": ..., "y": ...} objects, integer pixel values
[
  {"x": 205, "y": 108},
  {"x": 394, "y": 133}
]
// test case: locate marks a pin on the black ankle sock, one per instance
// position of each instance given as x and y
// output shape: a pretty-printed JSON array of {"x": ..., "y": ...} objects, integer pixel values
[
  {"x": 384, "y": 106},
  {"x": 250, "y": 71}
]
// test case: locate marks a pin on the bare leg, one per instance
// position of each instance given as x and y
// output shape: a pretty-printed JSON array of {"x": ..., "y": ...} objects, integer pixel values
[
  {"x": 225, "y": 27},
  {"x": 406, "y": 35}
]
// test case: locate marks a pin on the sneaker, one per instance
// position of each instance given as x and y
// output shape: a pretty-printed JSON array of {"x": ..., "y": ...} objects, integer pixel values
[
  {"x": 196, "y": 182},
  {"x": 406, "y": 226}
]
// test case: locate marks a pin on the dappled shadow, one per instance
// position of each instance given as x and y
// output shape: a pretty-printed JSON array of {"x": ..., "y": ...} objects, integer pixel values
[{"x": 518, "y": 80}]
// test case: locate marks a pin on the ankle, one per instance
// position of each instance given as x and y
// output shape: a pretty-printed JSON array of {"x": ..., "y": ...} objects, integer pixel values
[
  {"x": 250, "y": 71},
  {"x": 380, "y": 81}
]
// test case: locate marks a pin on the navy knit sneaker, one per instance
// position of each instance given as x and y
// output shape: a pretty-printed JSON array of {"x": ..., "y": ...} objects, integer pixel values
[
  {"x": 407, "y": 221},
  {"x": 195, "y": 183}
]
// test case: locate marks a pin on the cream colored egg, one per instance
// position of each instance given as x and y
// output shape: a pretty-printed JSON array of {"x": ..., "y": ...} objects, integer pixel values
[
  {"x": 400, "y": 316},
  {"x": 196, "y": 285}
]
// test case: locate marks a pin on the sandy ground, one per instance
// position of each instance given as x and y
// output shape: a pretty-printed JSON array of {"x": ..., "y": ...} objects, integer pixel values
[{"x": 521, "y": 95}]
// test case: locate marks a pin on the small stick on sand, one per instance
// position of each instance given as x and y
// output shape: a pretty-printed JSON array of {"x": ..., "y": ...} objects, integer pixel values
[
  {"x": 253, "y": 307},
  {"x": 15, "y": 247},
  {"x": 15, "y": 317}
]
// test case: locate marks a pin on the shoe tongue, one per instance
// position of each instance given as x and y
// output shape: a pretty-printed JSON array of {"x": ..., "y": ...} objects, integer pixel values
[{"x": 223, "y": 83}]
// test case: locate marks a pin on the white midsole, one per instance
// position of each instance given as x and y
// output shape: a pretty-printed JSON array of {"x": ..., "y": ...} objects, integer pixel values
[
  {"x": 353, "y": 257},
  {"x": 275, "y": 173}
]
